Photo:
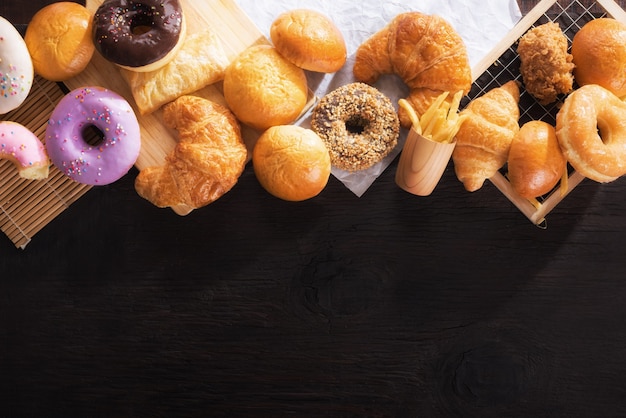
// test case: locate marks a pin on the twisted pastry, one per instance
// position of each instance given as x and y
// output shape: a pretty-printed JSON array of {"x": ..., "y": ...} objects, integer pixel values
[
  {"x": 207, "y": 161},
  {"x": 424, "y": 51}
]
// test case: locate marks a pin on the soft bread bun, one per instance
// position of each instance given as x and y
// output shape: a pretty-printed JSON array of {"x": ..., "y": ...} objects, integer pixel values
[
  {"x": 59, "y": 40},
  {"x": 599, "y": 53},
  {"x": 291, "y": 162},
  {"x": 536, "y": 162},
  {"x": 310, "y": 40},
  {"x": 264, "y": 89}
]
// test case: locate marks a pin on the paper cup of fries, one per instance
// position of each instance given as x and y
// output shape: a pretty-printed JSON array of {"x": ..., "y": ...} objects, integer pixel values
[
  {"x": 429, "y": 144},
  {"x": 422, "y": 163}
]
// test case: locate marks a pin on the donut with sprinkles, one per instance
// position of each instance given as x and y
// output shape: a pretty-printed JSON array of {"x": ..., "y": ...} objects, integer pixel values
[
  {"x": 16, "y": 68},
  {"x": 139, "y": 35},
  {"x": 93, "y": 109}
]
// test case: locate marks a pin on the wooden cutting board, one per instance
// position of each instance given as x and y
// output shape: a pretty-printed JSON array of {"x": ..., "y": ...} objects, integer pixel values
[{"x": 236, "y": 31}]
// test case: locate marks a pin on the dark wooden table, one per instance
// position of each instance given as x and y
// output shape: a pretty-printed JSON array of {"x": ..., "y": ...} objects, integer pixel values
[{"x": 386, "y": 305}]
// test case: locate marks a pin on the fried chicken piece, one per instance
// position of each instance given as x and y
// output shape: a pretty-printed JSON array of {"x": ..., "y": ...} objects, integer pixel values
[{"x": 546, "y": 66}]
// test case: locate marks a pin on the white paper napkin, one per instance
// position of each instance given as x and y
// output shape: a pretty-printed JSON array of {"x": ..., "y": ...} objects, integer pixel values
[{"x": 481, "y": 24}]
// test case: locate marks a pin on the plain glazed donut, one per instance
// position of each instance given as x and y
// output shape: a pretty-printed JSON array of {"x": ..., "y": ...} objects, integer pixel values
[
  {"x": 358, "y": 124},
  {"x": 591, "y": 129},
  {"x": 109, "y": 113},
  {"x": 22, "y": 147},
  {"x": 139, "y": 35},
  {"x": 16, "y": 68}
]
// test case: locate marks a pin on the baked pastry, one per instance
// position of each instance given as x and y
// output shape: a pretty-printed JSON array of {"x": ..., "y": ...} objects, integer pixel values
[
  {"x": 58, "y": 38},
  {"x": 207, "y": 161},
  {"x": 310, "y": 40},
  {"x": 536, "y": 162},
  {"x": 484, "y": 139},
  {"x": 592, "y": 134},
  {"x": 545, "y": 65},
  {"x": 291, "y": 162},
  {"x": 200, "y": 61},
  {"x": 358, "y": 124},
  {"x": 264, "y": 89},
  {"x": 599, "y": 53},
  {"x": 424, "y": 51}
]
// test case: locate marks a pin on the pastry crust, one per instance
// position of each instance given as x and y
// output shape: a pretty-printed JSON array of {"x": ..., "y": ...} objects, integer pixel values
[
  {"x": 424, "y": 51},
  {"x": 205, "y": 164},
  {"x": 201, "y": 61},
  {"x": 484, "y": 139}
]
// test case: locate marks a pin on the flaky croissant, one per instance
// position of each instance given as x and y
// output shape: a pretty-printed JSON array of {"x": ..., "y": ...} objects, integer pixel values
[
  {"x": 207, "y": 161},
  {"x": 424, "y": 51},
  {"x": 484, "y": 139}
]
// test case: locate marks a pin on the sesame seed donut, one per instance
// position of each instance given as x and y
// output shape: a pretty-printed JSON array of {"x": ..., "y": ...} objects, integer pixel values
[
  {"x": 139, "y": 35},
  {"x": 16, "y": 68},
  {"x": 111, "y": 115},
  {"x": 358, "y": 124},
  {"x": 22, "y": 147}
]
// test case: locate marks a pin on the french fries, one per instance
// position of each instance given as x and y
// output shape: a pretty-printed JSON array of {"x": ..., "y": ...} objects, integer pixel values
[{"x": 441, "y": 121}]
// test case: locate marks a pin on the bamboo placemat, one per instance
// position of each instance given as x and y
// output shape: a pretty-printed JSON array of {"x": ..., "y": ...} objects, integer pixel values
[{"x": 26, "y": 206}]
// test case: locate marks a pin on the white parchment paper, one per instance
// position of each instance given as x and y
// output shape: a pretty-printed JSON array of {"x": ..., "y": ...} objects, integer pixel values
[{"x": 481, "y": 24}]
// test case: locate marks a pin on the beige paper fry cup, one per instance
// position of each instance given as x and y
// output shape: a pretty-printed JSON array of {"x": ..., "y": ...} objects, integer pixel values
[{"x": 422, "y": 163}]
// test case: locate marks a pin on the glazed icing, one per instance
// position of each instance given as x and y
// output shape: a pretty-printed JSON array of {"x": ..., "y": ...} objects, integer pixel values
[
  {"x": 21, "y": 146},
  {"x": 138, "y": 33},
  {"x": 16, "y": 68},
  {"x": 111, "y": 157}
]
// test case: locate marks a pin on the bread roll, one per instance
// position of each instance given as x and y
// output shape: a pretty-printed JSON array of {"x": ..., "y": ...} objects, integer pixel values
[
  {"x": 59, "y": 40},
  {"x": 599, "y": 51},
  {"x": 536, "y": 162},
  {"x": 310, "y": 40},
  {"x": 264, "y": 89},
  {"x": 291, "y": 162}
]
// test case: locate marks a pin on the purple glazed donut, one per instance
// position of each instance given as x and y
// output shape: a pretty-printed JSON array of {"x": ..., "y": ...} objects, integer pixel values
[{"x": 109, "y": 113}]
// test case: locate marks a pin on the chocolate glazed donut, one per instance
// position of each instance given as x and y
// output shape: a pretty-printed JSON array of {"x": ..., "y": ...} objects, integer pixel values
[{"x": 140, "y": 35}]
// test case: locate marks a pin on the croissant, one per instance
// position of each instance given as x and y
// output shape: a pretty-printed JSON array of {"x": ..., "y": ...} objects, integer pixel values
[
  {"x": 484, "y": 139},
  {"x": 424, "y": 51},
  {"x": 206, "y": 162}
]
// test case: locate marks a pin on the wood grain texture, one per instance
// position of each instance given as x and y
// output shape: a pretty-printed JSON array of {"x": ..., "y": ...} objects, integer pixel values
[{"x": 388, "y": 305}]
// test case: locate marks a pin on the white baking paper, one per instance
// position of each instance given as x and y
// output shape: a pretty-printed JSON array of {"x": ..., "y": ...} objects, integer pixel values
[{"x": 481, "y": 24}]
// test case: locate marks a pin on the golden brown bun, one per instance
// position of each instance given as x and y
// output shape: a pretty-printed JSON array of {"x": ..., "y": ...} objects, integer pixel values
[
  {"x": 424, "y": 51},
  {"x": 536, "y": 162},
  {"x": 599, "y": 53},
  {"x": 207, "y": 161},
  {"x": 484, "y": 139},
  {"x": 264, "y": 89},
  {"x": 291, "y": 162},
  {"x": 592, "y": 134},
  {"x": 310, "y": 40},
  {"x": 59, "y": 40}
]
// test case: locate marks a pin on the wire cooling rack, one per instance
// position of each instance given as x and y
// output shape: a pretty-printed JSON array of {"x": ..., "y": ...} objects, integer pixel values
[{"x": 502, "y": 65}]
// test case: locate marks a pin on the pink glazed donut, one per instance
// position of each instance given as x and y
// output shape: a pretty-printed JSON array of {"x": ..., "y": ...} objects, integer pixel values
[
  {"x": 21, "y": 146},
  {"x": 111, "y": 157}
]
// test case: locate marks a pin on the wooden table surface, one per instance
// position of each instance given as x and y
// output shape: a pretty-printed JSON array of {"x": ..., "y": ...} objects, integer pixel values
[{"x": 388, "y": 305}]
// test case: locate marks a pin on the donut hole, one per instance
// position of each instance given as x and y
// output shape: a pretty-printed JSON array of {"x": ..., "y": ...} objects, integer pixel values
[
  {"x": 141, "y": 25},
  {"x": 356, "y": 125},
  {"x": 92, "y": 135},
  {"x": 604, "y": 131}
]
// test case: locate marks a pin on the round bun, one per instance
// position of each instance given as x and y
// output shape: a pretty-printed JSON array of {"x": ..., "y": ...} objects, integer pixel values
[
  {"x": 59, "y": 40},
  {"x": 291, "y": 162},
  {"x": 263, "y": 89},
  {"x": 310, "y": 40},
  {"x": 599, "y": 53},
  {"x": 536, "y": 162}
]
